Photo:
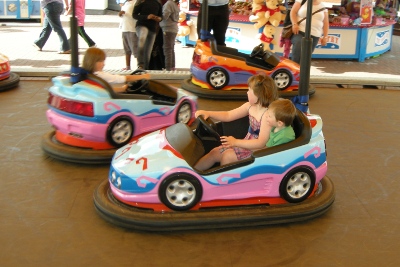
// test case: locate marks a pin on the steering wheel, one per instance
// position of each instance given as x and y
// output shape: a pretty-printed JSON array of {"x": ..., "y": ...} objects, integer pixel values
[
  {"x": 138, "y": 71},
  {"x": 257, "y": 51},
  {"x": 209, "y": 126},
  {"x": 137, "y": 86}
]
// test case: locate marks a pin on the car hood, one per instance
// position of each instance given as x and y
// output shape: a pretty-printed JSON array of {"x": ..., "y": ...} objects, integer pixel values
[{"x": 144, "y": 160}]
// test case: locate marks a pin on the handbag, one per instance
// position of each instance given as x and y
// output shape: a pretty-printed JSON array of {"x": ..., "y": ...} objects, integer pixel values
[{"x": 287, "y": 31}]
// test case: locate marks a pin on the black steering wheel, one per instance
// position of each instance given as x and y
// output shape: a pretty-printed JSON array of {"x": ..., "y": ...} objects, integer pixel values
[
  {"x": 137, "y": 86},
  {"x": 138, "y": 71},
  {"x": 209, "y": 126},
  {"x": 257, "y": 51}
]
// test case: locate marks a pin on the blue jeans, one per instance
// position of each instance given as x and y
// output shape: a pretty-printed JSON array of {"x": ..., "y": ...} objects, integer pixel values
[
  {"x": 52, "y": 21},
  {"x": 145, "y": 46},
  {"x": 169, "y": 50},
  {"x": 296, "y": 46}
]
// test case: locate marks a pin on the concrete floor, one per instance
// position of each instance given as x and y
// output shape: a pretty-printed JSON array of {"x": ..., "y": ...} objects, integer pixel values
[{"x": 47, "y": 217}]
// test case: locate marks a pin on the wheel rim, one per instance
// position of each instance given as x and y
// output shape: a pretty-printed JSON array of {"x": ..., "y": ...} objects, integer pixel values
[
  {"x": 121, "y": 131},
  {"x": 298, "y": 185},
  {"x": 180, "y": 193},
  {"x": 282, "y": 80},
  {"x": 184, "y": 113},
  {"x": 217, "y": 78}
]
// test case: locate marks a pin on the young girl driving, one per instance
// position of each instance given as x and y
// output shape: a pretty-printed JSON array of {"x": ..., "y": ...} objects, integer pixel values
[
  {"x": 93, "y": 62},
  {"x": 262, "y": 92}
]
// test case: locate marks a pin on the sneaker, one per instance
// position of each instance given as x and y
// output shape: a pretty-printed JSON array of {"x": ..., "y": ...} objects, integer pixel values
[
  {"x": 37, "y": 47},
  {"x": 65, "y": 52},
  {"x": 127, "y": 68}
]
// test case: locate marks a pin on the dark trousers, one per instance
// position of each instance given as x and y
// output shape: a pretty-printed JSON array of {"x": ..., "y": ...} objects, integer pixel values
[
  {"x": 218, "y": 21},
  {"x": 83, "y": 34}
]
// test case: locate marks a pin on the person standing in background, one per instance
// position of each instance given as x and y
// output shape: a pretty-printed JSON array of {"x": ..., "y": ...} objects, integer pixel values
[
  {"x": 52, "y": 10},
  {"x": 80, "y": 16},
  {"x": 169, "y": 26},
  {"x": 218, "y": 19},
  {"x": 129, "y": 37},
  {"x": 319, "y": 26},
  {"x": 148, "y": 14}
]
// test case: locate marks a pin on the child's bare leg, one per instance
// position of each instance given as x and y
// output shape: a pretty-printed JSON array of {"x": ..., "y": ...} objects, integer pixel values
[
  {"x": 208, "y": 160},
  {"x": 128, "y": 61},
  {"x": 228, "y": 156}
]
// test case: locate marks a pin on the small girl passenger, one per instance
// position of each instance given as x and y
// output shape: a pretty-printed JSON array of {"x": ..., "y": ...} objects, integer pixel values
[
  {"x": 262, "y": 92},
  {"x": 93, "y": 62}
]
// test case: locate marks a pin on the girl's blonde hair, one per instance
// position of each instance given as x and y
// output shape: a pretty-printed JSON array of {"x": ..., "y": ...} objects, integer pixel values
[
  {"x": 92, "y": 56},
  {"x": 264, "y": 88}
]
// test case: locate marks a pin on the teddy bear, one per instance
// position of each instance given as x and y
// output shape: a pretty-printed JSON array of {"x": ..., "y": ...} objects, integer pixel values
[
  {"x": 267, "y": 37},
  {"x": 183, "y": 24},
  {"x": 258, "y": 9},
  {"x": 274, "y": 14}
]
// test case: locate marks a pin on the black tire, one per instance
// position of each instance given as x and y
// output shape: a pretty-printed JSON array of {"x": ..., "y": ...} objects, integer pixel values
[
  {"x": 283, "y": 79},
  {"x": 297, "y": 185},
  {"x": 10, "y": 82},
  {"x": 184, "y": 113},
  {"x": 217, "y": 77},
  {"x": 180, "y": 191},
  {"x": 120, "y": 131}
]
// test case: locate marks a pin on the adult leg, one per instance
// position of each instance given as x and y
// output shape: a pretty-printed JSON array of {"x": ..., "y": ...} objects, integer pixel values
[
  {"x": 134, "y": 44},
  {"x": 83, "y": 34},
  {"x": 126, "y": 41},
  {"x": 315, "y": 42},
  {"x": 219, "y": 22},
  {"x": 296, "y": 47},
  {"x": 53, "y": 11},
  {"x": 169, "y": 53},
  {"x": 44, "y": 35},
  {"x": 141, "y": 32},
  {"x": 146, "y": 38}
]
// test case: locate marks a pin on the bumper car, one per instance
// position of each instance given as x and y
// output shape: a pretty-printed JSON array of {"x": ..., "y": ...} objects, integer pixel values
[
  {"x": 8, "y": 79},
  {"x": 222, "y": 72},
  {"x": 153, "y": 185},
  {"x": 91, "y": 121}
]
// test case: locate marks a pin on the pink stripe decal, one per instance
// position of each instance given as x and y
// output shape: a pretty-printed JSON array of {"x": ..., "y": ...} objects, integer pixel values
[
  {"x": 221, "y": 181},
  {"x": 108, "y": 105},
  {"x": 145, "y": 178},
  {"x": 318, "y": 149},
  {"x": 165, "y": 110}
]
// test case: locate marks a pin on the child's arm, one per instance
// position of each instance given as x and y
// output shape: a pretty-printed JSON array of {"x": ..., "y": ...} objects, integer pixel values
[
  {"x": 226, "y": 116},
  {"x": 131, "y": 78}
]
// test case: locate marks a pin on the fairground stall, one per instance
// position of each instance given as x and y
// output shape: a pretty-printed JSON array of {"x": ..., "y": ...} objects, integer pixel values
[
  {"x": 358, "y": 30},
  {"x": 19, "y": 9}
]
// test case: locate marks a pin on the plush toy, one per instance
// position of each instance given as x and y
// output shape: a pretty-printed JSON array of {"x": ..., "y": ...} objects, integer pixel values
[
  {"x": 258, "y": 10},
  {"x": 267, "y": 37},
  {"x": 286, "y": 43},
  {"x": 274, "y": 13},
  {"x": 183, "y": 25}
]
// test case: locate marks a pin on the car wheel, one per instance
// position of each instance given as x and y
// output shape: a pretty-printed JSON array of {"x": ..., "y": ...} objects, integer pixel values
[
  {"x": 184, "y": 113},
  {"x": 180, "y": 192},
  {"x": 283, "y": 79},
  {"x": 10, "y": 82},
  {"x": 217, "y": 77},
  {"x": 120, "y": 131},
  {"x": 297, "y": 184}
]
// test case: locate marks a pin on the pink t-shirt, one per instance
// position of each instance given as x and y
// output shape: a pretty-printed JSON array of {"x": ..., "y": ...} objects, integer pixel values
[{"x": 79, "y": 11}]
